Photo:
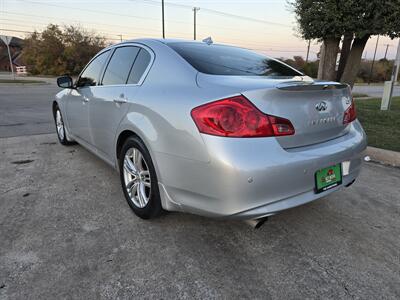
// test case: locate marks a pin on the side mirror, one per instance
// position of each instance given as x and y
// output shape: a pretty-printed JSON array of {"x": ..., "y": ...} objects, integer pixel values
[{"x": 65, "y": 82}]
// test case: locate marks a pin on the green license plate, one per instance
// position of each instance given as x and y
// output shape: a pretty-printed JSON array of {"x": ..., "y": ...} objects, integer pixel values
[{"x": 328, "y": 178}]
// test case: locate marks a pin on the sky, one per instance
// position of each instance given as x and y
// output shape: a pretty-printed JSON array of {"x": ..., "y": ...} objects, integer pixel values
[{"x": 267, "y": 26}]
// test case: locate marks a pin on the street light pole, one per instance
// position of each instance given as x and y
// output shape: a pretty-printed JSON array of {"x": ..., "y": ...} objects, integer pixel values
[
  {"x": 163, "y": 20},
  {"x": 195, "y": 9}
]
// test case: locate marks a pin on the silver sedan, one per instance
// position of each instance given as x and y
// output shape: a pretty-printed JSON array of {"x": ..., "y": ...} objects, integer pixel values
[{"x": 211, "y": 129}]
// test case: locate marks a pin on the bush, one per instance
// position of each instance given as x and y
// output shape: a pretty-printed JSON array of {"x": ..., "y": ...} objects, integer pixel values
[
  {"x": 381, "y": 72},
  {"x": 57, "y": 51},
  {"x": 309, "y": 68}
]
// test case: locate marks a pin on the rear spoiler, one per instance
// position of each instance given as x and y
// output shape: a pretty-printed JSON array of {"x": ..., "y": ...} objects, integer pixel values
[{"x": 310, "y": 86}]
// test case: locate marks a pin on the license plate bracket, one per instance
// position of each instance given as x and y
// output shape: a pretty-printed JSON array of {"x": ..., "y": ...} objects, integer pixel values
[{"x": 328, "y": 178}]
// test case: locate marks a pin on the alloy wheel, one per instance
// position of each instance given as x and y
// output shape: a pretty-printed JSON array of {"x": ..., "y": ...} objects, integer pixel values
[
  {"x": 59, "y": 125},
  {"x": 137, "y": 177}
]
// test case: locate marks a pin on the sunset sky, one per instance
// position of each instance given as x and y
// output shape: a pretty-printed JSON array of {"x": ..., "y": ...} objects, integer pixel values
[{"x": 267, "y": 26}]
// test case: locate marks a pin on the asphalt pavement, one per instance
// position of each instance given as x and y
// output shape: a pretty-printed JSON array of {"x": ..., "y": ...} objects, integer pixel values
[
  {"x": 67, "y": 232},
  {"x": 26, "y": 109}
]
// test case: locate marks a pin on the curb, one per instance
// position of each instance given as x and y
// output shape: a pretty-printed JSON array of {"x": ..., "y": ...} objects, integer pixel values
[{"x": 383, "y": 156}]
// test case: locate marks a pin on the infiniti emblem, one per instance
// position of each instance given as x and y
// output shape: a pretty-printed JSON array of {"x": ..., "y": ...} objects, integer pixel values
[{"x": 322, "y": 106}]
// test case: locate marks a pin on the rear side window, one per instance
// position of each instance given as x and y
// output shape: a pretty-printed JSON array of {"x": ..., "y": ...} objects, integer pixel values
[
  {"x": 227, "y": 60},
  {"x": 91, "y": 74},
  {"x": 139, "y": 67},
  {"x": 120, "y": 64}
]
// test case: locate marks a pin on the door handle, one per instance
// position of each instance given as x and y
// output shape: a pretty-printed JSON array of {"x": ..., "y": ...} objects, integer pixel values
[{"x": 120, "y": 100}]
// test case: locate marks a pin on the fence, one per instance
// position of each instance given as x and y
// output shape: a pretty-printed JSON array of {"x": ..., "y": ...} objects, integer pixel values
[{"x": 21, "y": 71}]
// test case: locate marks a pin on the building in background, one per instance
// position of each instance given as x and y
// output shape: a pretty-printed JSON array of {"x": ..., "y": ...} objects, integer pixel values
[{"x": 16, "y": 46}]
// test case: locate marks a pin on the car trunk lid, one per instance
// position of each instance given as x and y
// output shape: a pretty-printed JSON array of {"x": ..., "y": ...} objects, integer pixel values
[{"x": 315, "y": 109}]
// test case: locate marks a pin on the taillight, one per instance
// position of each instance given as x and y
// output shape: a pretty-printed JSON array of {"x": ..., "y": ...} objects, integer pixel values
[
  {"x": 238, "y": 117},
  {"x": 350, "y": 114}
]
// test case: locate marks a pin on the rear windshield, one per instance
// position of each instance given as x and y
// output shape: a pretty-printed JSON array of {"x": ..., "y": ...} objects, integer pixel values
[{"x": 227, "y": 60}]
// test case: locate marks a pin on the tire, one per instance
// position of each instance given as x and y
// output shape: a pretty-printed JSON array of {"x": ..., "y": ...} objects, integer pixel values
[
  {"x": 138, "y": 179},
  {"x": 60, "y": 128}
]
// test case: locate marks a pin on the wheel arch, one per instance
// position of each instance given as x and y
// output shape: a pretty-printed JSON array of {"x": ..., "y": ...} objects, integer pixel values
[
  {"x": 122, "y": 137},
  {"x": 127, "y": 132},
  {"x": 54, "y": 105}
]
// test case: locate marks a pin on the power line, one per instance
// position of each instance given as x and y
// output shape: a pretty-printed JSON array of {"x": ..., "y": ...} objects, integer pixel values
[
  {"x": 13, "y": 30},
  {"x": 134, "y": 29},
  {"x": 91, "y": 23},
  {"x": 254, "y": 45},
  {"x": 71, "y": 20},
  {"x": 96, "y": 11},
  {"x": 217, "y": 12}
]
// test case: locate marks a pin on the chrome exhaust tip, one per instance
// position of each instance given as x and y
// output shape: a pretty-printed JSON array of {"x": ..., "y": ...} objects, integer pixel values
[
  {"x": 350, "y": 183},
  {"x": 256, "y": 223}
]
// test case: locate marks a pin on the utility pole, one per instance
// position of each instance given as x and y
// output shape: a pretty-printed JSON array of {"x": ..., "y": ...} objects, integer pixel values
[
  {"x": 308, "y": 50},
  {"x": 386, "y": 51},
  {"x": 397, "y": 64},
  {"x": 120, "y": 37},
  {"x": 373, "y": 61},
  {"x": 163, "y": 20},
  {"x": 195, "y": 9}
]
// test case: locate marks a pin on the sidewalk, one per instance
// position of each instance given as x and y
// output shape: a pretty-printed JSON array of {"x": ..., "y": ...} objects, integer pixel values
[{"x": 375, "y": 91}]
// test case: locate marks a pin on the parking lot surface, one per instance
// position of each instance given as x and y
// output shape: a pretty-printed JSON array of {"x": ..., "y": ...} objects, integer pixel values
[
  {"x": 26, "y": 110},
  {"x": 67, "y": 232}
]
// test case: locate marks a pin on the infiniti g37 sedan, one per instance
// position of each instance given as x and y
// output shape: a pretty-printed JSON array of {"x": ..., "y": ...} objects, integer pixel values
[{"x": 211, "y": 129}]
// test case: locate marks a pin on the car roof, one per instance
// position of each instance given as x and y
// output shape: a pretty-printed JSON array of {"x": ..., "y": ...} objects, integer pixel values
[
  {"x": 164, "y": 41},
  {"x": 149, "y": 41}
]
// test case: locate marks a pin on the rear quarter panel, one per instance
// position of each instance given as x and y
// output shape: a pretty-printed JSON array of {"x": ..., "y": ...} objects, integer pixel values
[{"x": 159, "y": 112}]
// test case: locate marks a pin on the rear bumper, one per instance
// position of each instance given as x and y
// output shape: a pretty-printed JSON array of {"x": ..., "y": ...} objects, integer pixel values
[
  {"x": 253, "y": 178},
  {"x": 297, "y": 200}
]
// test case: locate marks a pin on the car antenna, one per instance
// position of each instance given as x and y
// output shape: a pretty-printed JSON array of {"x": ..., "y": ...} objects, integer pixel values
[{"x": 208, "y": 40}]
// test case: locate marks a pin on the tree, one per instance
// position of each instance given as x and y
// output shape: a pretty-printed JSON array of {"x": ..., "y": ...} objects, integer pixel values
[
  {"x": 368, "y": 18},
  {"x": 357, "y": 20},
  {"x": 58, "y": 51},
  {"x": 344, "y": 53},
  {"x": 309, "y": 68},
  {"x": 321, "y": 20}
]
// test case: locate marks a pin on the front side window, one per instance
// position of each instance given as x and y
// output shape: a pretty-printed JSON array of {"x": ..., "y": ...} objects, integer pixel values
[
  {"x": 91, "y": 74},
  {"x": 228, "y": 60},
  {"x": 120, "y": 65},
  {"x": 139, "y": 67}
]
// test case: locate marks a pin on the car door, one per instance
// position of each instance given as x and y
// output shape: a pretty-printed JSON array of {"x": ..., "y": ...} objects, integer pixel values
[
  {"x": 119, "y": 85},
  {"x": 78, "y": 100}
]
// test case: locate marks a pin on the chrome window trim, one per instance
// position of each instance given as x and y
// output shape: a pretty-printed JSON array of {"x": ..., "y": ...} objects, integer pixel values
[
  {"x": 102, "y": 68},
  {"x": 146, "y": 71},
  {"x": 112, "y": 49}
]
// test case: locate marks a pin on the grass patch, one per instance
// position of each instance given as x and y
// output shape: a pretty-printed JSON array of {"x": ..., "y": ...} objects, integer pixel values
[
  {"x": 382, "y": 127},
  {"x": 20, "y": 81},
  {"x": 359, "y": 95}
]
